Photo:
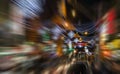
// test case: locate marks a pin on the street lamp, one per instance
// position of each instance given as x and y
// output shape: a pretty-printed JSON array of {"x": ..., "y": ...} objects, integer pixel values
[
  {"x": 73, "y": 13},
  {"x": 66, "y": 24}
]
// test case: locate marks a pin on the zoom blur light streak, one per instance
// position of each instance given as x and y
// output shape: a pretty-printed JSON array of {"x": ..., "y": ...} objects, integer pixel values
[{"x": 30, "y": 8}]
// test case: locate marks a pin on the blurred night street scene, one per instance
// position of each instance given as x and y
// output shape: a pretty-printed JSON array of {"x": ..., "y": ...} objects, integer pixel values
[{"x": 59, "y": 37}]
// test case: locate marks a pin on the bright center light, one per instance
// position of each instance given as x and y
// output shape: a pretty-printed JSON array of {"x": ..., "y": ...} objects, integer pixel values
[{"x": 86, "y": 33}]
